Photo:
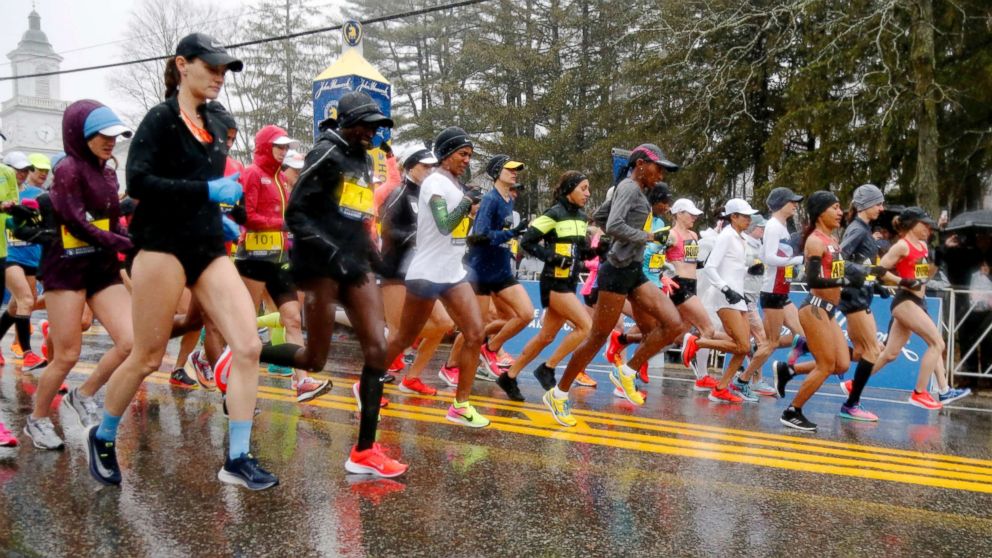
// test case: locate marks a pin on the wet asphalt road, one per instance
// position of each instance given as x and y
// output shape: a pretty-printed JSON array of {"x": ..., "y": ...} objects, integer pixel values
[{"x": 679, "y": 476}]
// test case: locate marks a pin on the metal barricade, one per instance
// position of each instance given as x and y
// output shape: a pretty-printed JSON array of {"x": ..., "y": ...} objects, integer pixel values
[{"x": 958, "y": 353}]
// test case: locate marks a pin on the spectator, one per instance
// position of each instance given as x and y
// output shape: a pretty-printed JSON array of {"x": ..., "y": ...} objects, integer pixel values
[{"x": 980, "y": 318}]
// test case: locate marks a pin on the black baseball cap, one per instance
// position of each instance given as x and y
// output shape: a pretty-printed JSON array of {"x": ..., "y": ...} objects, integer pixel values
[
  {"x": 208, "y": 49},
  {"x": 499, "y": 162},
  {"x": 358, "y": 107},
  {"x": 780, "y": 196},
  {"x": 916, "y": 214},
  {"x": 653, "y": 153}
]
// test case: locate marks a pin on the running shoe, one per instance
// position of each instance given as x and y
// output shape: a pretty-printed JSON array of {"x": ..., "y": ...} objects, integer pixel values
[
  {"x": 201, "y": 366},
  {"x": 924, "y": 400},
  {"x": 33, "y": 361},
  {"x": 626, "y": 385},
  {"x": 310, "y": 388},
  {"x": 724, "y": 395},
  {"x": 44, "y": 343},
  {"x": 642, "y": 373},
  {"x": 86, "y": 409},
  {"x": 408, "y": 358},
  {"x": 222, "y": 369},
  {"x": 794, "y": 418},
  {"x": 103, "y": 458},
  {"x": 15, "y": 347},
  {"x": 783, "y": 373},
  {"x": 245, "y": 471},
  {"x": 276, "y": 370},
  {"x": 397, "y": 366},
  {"x": 388, "y": 378},
  {"x": 706, "y": 383},
  {"x": 7, "y": 438},
  {"x": 857, "y": 412},
  {"x": 490, "y": 361},
  {"x": 561, "y": 409},
  {"x": 416, "y": 386},
  {"x": 689, "y": 349},
  {"x": 744, "y": 391},
  {"x": 64, "y": 388},
  {"x": 585, "y": 380},
  {"x": 846, "y": 387},
  {"x": 509, "y": 385},
  {"x": 383, "y": 402},
  {"x": 42, "y": 434},
  {"x": 482, "y": 373},
  {"x": 449, "y": 375},
  {"x": 614, "y": 350},
  {"x": 799, "y": 348},
  {"x": 180, "y": 378},
  {"x": 467, "y": 416},
  {"x": 618, "y": 393},
  {"x": 545, "y": 376},
  {"x": 953, "y": 394},
  {"x": 373, "y": 461},
  {"x": 761, "y": 387}
]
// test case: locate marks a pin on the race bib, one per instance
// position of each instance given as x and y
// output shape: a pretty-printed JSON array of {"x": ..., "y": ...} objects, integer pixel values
[
  {"x": 647, "y": 224},
  {"x": 14, "y": 242},
  {"x": 265, "y": 242},
  {"x": 789, "y": 273},
  {"x": 922, "y": 270},
  {"x": 356, "y": 200},
  {"x": 837, "y": 269},
  {"x": 461, "y": 231},
  {"x": 76, "y": 247},
  {"x": 563, "y": 249},
  {"x": 691, "y": 250},
  {"x": 656, "y": 262}
]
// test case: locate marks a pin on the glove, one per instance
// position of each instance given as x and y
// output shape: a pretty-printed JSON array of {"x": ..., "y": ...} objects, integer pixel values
[
  {"x": 881, "y": 291},
  {"x": 603, "y": 248},
  {"x": 661, "y": 236},
  {"x": 239, "y": 214},
  {"x": 733, "y": 297},
  {"x": 521, "y": 227},
  {"x": 231, "y": 229},
  {"x": 477, "y": 240},
  {"x": 911, "y": 284},
  {"x": 854, "y": 276},
  {"x": 24, "y": 214},
  {"x": 756, "y": 269},
  {"x": 475, "y": 195},
  {"x": 558, "y": 260},
  {"x": 226, "y": 189},
  {"x": 584, "y": 251},
  {"x": 878, "y": 271}
]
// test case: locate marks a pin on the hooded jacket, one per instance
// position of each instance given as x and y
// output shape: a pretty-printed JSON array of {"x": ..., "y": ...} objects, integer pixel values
[
  {"x": 265, "y": 194},
  {"x": 85, "y": 206},
  {"x": 399, "y": 229}
]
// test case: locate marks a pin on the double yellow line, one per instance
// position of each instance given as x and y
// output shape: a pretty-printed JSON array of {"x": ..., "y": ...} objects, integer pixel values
[{"x": 681, "y": 439}]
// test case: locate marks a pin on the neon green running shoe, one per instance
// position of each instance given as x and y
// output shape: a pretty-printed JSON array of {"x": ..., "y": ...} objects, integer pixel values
[{"x": 465, "y": 414}]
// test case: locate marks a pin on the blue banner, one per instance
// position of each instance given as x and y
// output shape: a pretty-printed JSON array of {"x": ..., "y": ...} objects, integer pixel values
[{"x": 327, "y": 93}]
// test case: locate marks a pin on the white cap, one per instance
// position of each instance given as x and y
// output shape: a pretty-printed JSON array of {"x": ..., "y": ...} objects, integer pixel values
[
  {"x": 17, "y": 160},
  {"x": 740, "y": 206},
  {"x": 416, "y": 154},
  {"x": 285, "y": 140},
  {"x": 293, "y": 159},
  {"x": 685, "y": 205}
]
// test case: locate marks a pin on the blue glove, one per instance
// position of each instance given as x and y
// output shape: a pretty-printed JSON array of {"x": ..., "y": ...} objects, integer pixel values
[
  {"x": 231, "y": 229},
  {"x": 224, "y": 190}
]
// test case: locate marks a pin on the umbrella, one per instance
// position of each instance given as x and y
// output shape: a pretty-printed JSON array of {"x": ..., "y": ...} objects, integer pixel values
[{"x": 981, "y": 219}]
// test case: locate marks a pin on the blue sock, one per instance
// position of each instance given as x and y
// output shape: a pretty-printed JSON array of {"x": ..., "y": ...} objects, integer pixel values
[
  {"x": 240, "y": 431},
  {"x": 107, "y": 431}
]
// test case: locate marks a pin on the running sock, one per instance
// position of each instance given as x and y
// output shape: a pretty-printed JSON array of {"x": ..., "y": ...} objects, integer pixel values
[
  {"x": 700, "y": 367},
  {"x": 558, "y": 394},
  {"x": 370, "y": 392},
  {"x": 240, "y": 434},
  {"x": 627, "y": 371},
  {"x": 861, "y": 375},
  {"x": 280, "y": 355},
  {"x": 622, "y": 339},
  {"x": 107, "y": 431},
  {"x": 5, "y": 322},
  {"x": 22, "y": 324}
]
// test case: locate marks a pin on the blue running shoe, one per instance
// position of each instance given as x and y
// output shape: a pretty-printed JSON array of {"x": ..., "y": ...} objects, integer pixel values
[{"x": 953, "y": 394}]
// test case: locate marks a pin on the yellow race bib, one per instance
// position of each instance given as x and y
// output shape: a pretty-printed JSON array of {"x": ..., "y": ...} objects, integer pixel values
[
  {"x": 356, "y": 199},
  {"x": 461, "y": 231},
  {"x": 922, "y": 270},
  {"x": 789, "y": 273},
  {"x": 563, "y": 249},
  {"x": 656, "y": 262},
  {"x": 13, "y": 241},
  {"x": 263, "y": 241},
  {"x": 837, "y": 269},
  {"x": 691, "y": 252},
  {"x": 70, "y": 242}
]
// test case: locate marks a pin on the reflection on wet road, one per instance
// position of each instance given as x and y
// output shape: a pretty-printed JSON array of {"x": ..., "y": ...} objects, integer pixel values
[{"x": 679, "y": 476}]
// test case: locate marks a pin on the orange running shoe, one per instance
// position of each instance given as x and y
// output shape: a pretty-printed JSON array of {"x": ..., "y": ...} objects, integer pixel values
[
  {"x": 585, "y": 380},
  {"x": 374, "y": 461}
]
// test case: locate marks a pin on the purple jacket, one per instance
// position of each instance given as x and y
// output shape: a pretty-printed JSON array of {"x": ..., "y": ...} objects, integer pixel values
[{"x": 84, "y": 198}]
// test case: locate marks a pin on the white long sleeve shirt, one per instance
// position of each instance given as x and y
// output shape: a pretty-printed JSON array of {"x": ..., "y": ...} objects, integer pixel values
[
  {"x": 726, "y": 267},
  {"x": 776, "y": 254}
]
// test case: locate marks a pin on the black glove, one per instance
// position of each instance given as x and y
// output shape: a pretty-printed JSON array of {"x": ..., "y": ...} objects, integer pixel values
[
  {"x": 477, "y": 240},
  {"x": 603, "y": 248},
  {"x": 558, "y": 260},
  {"x": 521, "y": 227},
  {"x": 878, "y": 271},
  {"x": 854, "y": 276},
  {"x": 661, "y": 236},
  {"x": 475, "y": 195},
  {"x": 881, "y": 291},
  {"x": 756, "y": 269},
  {"x": 911, "y": 284},
  {"x": 24, "y": 214},
  {"x": 239, "y": 215},
  {"x": 733, "y": 297},
  {"x": 584, "y": 251}
]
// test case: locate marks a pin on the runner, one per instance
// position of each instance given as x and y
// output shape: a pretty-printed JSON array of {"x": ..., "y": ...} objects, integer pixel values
[
  {"x": 909, "y": 260},
  {"x": 8, "y": 195},
  {"x": 262, "y": 256},
  {"x": 80, "y": 267},
  {"x": 826, "y": 273},
  {"x": 331, "y": 261},
  {"x": 725, "y": 269},
  {"x": 174, "y": 170},
  {"x": 398, "y": 216},
  {"x": 489, "y": 264},
  {"x": 562, "y": 229},
  {"x": 752, "y": 289},
  {"x": 436, "y": 271},
  {"x": 620, "y": 277}
]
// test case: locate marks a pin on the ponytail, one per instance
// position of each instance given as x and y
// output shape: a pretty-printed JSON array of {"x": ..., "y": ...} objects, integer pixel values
[
  {"x": 171, "y": 78},
  {"x": 807, "y": 232},
  {"x": 900, "y": 227},
  {"x": 852, "y": 214}
]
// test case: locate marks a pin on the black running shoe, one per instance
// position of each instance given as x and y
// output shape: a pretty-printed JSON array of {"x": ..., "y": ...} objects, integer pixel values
[
  {"x": 103, "y": 459},
  {"x": 245, "y": 471},
  {"x": 546, "y": 376},
  {"x": 793, "y": 418},
  {"x": 179, "y": 377},
  {"x": 509, "y": 385},
  {"x": 782, "y": 376}
]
